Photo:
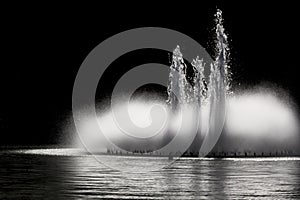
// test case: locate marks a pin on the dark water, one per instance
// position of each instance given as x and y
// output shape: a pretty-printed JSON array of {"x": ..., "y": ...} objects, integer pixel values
[{"x": 41, "y": 175}]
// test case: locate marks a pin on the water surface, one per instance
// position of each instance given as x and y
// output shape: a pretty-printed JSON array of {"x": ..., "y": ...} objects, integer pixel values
[{"x": 66, "y": 173}]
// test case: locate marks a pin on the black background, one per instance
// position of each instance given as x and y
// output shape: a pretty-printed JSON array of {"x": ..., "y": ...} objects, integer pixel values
[{"x": 43, "y": 46}]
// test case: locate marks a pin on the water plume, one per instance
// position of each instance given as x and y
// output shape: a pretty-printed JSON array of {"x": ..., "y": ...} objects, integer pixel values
[{"x": 261, "y": 121}]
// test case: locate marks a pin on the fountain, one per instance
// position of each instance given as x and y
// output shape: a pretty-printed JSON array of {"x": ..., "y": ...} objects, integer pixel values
[
  {"x": 197, "y": 92},
  {"x": 203, "y": 93},
  {"x": 194, "y": 117}
]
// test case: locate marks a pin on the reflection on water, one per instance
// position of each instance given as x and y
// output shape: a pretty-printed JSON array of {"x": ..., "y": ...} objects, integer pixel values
[{"x": 73, "y": 175}]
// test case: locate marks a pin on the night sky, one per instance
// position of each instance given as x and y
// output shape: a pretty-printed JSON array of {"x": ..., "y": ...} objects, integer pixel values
[{"x": 43, "y": 48}]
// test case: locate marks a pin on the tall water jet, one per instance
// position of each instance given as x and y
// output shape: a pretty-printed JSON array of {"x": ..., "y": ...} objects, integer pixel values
[
  {"x": 218, "y": 87},
  {"x": 222, "y": 49},
  {"x": 179, "y": 90},
  {"x": 200, "y": 85}
]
